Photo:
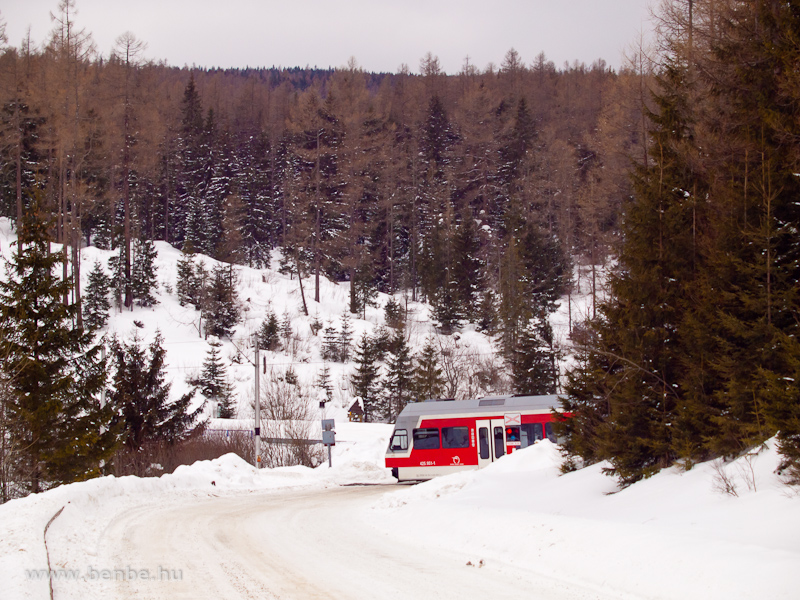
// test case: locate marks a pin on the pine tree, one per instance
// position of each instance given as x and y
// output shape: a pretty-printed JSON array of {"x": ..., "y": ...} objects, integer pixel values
[
  {"x": 140, "y": 396},
  {"x": 214, "y": 384},
  {"x": 95, "y": 302},
  {"x": 366, "y": 379},
  {"x": 428, "y": 378},
  {"x": 54, "y": 373}
]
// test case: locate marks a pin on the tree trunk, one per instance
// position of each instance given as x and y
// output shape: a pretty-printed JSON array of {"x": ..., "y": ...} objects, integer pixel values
[
  {"x": 300, "y": 280},
  {"x": 317, "y": 261}
]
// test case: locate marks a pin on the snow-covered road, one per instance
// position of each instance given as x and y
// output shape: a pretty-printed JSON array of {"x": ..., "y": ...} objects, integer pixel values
[
  {"x": 302, "y": 544},
  {"x": 223, "y": 530}
]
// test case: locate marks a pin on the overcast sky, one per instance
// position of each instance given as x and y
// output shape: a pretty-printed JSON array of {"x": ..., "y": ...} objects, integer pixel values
[{"x": 382, "y": 35}]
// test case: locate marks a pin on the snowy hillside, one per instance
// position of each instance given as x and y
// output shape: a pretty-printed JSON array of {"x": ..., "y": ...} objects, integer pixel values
[
  {"x": 259, "y": 291},
  {"x": 266, "y": 290}
]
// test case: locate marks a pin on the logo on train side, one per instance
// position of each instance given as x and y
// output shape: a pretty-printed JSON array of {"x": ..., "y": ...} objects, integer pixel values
[{"x": 456, "y": 461}]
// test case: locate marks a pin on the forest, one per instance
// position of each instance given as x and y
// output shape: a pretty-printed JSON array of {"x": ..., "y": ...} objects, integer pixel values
[
  {"x": 449, "y": 188},
  {"x": 479, "y": 193},
  {"x": 695, "y": 355}
]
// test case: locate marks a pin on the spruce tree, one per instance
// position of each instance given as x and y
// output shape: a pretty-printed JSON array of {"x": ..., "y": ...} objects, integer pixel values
[
  {"x": 428, "y": 379},
  {"x": 393, "y": 313},
  {"x": 585, "y": 406},
  {"x": 193, "y": 157},
  {"x": 214, "y": 384},
  {"x": 116, "y": 265},
  {"x": 140, "y": 397},
  {"x": 547, "y": 269},
  {"x": 383, "y": 339},
  {"x": 54, "y": 372},
  {"x": 468, "y": 274},
  {"x": 221, "y": 309},
  {"x": 330, "y": 344},
  {"x": 644, "y": 388},
  {"x": 638, "y": 353},
  {"x": 487, "y": 314},
  {"x": 696, "y": 353},
  {"x": 324, "y": 383},
  {"x": 143, "y": 273},
  {"x": 187, "y": 286},
  {"x": 534, "y": 360},
  {"x": 363, "y": 291},
  {"x": 345, "y": 338},
  {"x": 749, "y": 327},
  {"x": 95, "y": 301},
  {"x": 200, "y": 285},
  {"x": 269, "y": 333},
  {"x": 398, "y": 383},
  {"x": 447, "y": 310},
  {"x": 286, "y": 329},
  {"x": 365, "y": 380}
]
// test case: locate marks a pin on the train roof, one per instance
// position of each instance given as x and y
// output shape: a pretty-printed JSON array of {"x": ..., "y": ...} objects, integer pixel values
[{"x": 479, "y": 405}]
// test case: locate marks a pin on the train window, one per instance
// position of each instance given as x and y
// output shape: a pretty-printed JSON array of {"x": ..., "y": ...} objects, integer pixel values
[
  {"x": 499, "y": 444},
  {"x": 399, "y": 441},
  {"x": 426, "y": 439},
  {"x": 483, "y": 442},
  {"x": 455, "y": 437},
  {"x": 548, "y": 430},
  {"x": 531, "y": 432}
]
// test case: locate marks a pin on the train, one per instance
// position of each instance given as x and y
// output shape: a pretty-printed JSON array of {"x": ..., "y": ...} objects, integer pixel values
[{"x": 438, "y": 437}]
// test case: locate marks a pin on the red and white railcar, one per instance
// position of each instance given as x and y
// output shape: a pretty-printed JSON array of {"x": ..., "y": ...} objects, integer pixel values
[{"x": 440, "y": 437}]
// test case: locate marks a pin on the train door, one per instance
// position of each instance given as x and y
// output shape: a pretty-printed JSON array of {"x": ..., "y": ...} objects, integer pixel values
[{"x": 491, "y": 441}]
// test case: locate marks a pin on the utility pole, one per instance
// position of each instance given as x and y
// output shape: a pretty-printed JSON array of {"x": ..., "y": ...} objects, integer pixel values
[{"x": 257, "y": 436}]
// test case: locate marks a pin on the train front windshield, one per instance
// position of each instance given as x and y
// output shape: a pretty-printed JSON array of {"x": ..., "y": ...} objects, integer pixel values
[{"x": 399, "y": 441}]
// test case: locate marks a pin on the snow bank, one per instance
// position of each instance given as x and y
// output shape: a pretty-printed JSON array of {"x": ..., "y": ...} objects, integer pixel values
[
  {"x": 89, "y": 506},
  {"x": 675, "y": 535}
]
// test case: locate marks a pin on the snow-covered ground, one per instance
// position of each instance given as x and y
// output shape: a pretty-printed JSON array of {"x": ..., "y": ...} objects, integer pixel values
[
  {"x": 517, "y": 527},
  {"x": 221, "y": 529}
]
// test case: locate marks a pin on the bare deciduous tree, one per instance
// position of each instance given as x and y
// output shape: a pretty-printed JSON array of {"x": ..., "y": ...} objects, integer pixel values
[{"x": 287, "y": 419}]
